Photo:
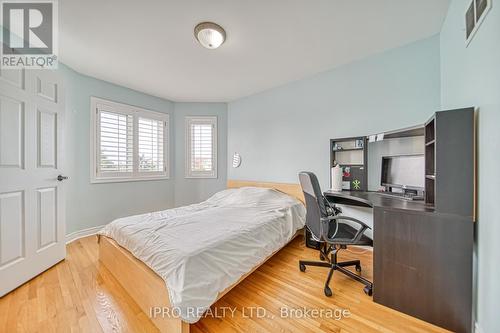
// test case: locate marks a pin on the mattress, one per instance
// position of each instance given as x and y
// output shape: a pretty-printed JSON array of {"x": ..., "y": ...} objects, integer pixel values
[{"x": 202, "y": 249}]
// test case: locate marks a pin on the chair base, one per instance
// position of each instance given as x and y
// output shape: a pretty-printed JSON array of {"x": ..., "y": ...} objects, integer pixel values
[{"x": 337, "y": 266}]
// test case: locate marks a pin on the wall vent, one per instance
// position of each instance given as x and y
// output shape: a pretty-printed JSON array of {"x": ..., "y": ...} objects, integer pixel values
[{"x": 474, "y": 16}]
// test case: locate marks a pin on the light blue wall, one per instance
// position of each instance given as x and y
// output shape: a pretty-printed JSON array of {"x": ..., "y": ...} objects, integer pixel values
[
  {"x": 188, "y": 191},
  {"x": 287, "y": 129},
  {"x": 470, "y": 76},
  {"x": 90, "y": 205}
]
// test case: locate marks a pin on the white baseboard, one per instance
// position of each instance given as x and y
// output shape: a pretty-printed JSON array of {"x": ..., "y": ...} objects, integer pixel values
[
  {"x": 82, "y": 233},
  {"x": 477, "y": 328}
]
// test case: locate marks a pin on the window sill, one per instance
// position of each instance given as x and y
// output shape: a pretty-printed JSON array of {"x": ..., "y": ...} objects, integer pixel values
[
  {"x": 126, "y": 180},
  {"x": 200, "y": 177}
]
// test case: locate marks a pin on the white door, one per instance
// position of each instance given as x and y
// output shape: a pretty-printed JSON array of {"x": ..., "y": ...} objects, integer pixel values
[{"x": 32, "y": 225}]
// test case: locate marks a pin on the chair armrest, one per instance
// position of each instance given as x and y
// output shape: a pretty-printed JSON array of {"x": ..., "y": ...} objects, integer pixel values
[
  {"x": 340, "y": 217},
  {"x": 359, "y": 233}
]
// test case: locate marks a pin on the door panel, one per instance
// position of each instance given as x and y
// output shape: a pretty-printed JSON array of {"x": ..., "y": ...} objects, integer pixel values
[
  {"x": 13, "y": 77},
  {"x": 46, "y": 89},
  {"x": 11, "y": 132},
  {"x": 11, "y": 227},
  {"x": 47, "y": 139},
  {"x": 47, "y": 217}
]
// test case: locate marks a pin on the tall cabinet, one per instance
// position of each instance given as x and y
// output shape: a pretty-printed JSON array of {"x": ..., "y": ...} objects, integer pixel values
[{"x": 423, "y": 256}]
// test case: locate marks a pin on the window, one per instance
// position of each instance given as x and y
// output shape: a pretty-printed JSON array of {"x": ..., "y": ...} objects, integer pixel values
[
  {"x": 201, "y": 147},
  {"x": 129, "y": 143},
  {"x": 150, "y": 136}
]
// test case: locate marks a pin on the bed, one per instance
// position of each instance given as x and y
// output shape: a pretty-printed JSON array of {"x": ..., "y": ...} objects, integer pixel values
[{"x": 159, "y": 257}]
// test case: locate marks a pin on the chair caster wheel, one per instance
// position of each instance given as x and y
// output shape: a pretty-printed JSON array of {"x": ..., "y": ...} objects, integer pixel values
[
  {"x": 302, "y": 267},
  {"x": 368, "y": 290},
  {"x": 328, "y": 292},
  {"x": 358, "y": 268},
  {"x": 322, "y": 257}
]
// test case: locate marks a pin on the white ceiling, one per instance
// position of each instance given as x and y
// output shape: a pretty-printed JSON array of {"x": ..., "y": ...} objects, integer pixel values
[{"x": 149, "y": 45}]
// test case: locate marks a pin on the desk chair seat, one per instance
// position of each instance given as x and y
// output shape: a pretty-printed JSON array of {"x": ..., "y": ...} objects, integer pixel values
[
  {"x": 333, "y": 231},
  {"x": 347, "y": 232}
]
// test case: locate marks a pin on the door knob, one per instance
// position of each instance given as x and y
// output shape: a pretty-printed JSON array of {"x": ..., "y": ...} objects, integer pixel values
[{"x": 61, "y": 178}]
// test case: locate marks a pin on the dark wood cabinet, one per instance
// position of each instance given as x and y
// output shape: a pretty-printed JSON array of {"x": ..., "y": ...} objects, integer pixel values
[
  {"x": 423, "y": 251},
  {"x": 423, "y": 265},
  {"x": 450, "y": 162}
]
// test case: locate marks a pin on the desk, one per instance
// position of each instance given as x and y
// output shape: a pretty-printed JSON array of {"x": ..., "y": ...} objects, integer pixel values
[
  {"x": 422, "y": 258},
  {"x": 376, "y": 199}
]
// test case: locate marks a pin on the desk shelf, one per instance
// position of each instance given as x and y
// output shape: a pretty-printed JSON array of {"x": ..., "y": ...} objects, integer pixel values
[
  {"x": 449, "y": 161},
  {"x": 430, "y": 161},
  {"x": 353, "y": 155}
]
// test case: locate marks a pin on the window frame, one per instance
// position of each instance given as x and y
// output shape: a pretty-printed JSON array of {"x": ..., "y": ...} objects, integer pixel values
[
  {"x": 96, "y": 176},
  {"x": 188, "y": 172}
]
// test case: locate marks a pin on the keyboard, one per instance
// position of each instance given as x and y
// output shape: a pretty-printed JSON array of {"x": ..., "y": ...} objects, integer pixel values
[{"x": 402, "y": 196}]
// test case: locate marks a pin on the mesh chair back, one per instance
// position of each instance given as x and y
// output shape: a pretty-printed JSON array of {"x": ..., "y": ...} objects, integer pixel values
[{"x": 315, "y": 203}]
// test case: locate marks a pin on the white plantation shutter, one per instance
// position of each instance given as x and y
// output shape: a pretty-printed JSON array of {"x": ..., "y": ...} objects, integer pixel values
[
  {"x": 115, "y": 143},
  {"x": 201, "y": 147},
  {"x": 150, "y": 139},
  {"x": 129, "y": 143}
]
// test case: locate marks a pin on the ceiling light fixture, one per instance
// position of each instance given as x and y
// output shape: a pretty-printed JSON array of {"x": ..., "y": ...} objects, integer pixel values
[{"x": 209, "y": 35}]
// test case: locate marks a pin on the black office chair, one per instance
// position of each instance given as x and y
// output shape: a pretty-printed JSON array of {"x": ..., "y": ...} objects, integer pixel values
[{"x": 332, "y": 232}]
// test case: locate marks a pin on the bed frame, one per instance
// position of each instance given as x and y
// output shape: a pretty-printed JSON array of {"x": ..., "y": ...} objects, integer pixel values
[{"x": 149, "y": 290}]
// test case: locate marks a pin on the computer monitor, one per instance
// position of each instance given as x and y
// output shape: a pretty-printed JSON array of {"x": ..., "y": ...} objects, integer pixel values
[{"x": 403, "y": 171}]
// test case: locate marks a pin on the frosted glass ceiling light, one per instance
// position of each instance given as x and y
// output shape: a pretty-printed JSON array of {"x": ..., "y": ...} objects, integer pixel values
[{"x": 210, "y": 35}]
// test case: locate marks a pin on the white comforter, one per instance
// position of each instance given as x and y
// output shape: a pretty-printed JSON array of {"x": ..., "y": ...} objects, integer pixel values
[{"x": 202, "y": 249}]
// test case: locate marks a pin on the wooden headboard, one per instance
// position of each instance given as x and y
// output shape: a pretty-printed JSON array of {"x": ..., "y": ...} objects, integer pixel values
[{"x": 291, "y": 189}]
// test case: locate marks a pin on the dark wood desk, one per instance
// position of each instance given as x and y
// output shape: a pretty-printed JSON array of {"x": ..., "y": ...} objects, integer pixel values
[
  {"x": 376, "y": 199},
  {"x": 422, "y": 258}
]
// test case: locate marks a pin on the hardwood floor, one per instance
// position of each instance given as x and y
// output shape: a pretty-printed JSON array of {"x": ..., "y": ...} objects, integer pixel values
[{"x": 80, "y": 295}]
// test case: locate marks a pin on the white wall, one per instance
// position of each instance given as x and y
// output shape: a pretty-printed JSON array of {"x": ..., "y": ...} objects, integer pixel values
[
  {"x": 470, "y": 76},
  {"x": 188, "y": 191}
]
